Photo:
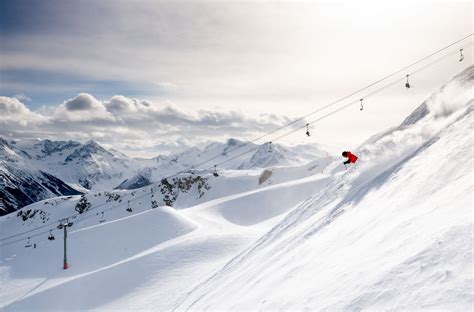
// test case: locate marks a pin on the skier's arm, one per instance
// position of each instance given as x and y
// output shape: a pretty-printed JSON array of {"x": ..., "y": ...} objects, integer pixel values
[{"x": 347, "y": 162}]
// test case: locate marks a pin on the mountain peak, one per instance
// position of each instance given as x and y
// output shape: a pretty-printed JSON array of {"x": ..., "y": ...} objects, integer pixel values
[
  {"x": 93, "y": 147},
  {"x": 92, "y": 143},
  {"x": 234, "y": 142},
  {"x": 86, "y": 151}
]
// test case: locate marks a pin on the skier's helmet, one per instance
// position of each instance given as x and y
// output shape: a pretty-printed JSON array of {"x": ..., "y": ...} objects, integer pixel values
[{"x": 344, "y": 154}]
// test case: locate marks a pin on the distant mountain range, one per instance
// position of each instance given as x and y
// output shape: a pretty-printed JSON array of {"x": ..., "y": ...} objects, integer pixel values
[
  {"x": 33, "y": 169},
  {"x": 231, "y": 155}
]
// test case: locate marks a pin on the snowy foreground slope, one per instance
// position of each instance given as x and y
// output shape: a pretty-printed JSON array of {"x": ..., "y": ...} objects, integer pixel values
[
  {"x": 396, "y": 232},
  {"x": 393, "y": 232},
  {"x": 144, "y": 260}
]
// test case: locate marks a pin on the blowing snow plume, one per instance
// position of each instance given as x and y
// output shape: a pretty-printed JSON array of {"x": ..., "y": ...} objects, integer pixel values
[{"x": 395, "y": 232}]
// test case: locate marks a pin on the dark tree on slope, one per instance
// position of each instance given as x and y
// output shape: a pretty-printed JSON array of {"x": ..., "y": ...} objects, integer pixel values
[
  {"x": 82, "y": 205},
  {"x": 171, "y": 190}
]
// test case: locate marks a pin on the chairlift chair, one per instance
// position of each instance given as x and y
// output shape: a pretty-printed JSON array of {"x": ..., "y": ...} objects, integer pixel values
[
  {"x": 407, "y": 84},
  {"x": 102, "y": 217},
  {"x": 28, "y": 243},
  {"x": 51, "y": 236},
  {"x": 307, "y": 130},
  {"x": 128, "y": 207},
  {"x": 215, "y": 171}
]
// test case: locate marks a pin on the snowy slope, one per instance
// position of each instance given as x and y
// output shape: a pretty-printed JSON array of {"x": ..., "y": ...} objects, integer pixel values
[
  {"x": 218, "y": 228},
  {"x": 394, "y": 232},
  {"x": 150, "y": 249}
]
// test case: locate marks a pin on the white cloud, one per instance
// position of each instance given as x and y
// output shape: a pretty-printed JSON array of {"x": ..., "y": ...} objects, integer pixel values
[
  {"x": 14, "y": 113},
  {"x": 121, "y": 104},
  {"x": 83, "y": 107},
  {"x": 139, "y": 127},
  {"x": 82, "y": 102}
]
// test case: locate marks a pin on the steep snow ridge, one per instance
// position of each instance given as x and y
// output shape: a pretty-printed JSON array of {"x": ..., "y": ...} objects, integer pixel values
[
  {"x": 453, "y": 96},
  {"x": 21, "y": 187},
  {"x": 396, "y": 234},
  {"x": 7, "y": 152},
  {"x": 419, "y": 128}
]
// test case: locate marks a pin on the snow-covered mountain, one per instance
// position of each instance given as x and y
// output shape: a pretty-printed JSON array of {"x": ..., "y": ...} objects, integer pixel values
[
  {"x": 232, "y": 155},
  {"x": 21, "y": 187},
  {"x": 83, "y": 166},
  {"x": 22, "y": 184},
  {"x": 32, "y": 170},
  {"x": 87, "y": 165},
  {"x": 393, "y": 232},
  {"x": 75, "y": 167}
]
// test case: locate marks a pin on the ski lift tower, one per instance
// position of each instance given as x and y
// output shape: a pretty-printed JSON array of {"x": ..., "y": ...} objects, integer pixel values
[{"x": 64, "y": 224}]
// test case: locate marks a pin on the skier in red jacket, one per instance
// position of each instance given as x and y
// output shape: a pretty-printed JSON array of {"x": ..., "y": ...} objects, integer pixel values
[{"x": 351, "y": 158}]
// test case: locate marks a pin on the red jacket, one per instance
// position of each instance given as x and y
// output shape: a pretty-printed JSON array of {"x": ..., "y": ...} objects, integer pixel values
[{"x": 352, "y": 157}]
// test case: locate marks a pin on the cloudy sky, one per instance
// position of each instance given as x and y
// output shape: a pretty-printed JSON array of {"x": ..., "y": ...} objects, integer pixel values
[{"x": 151, "y": 77}]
